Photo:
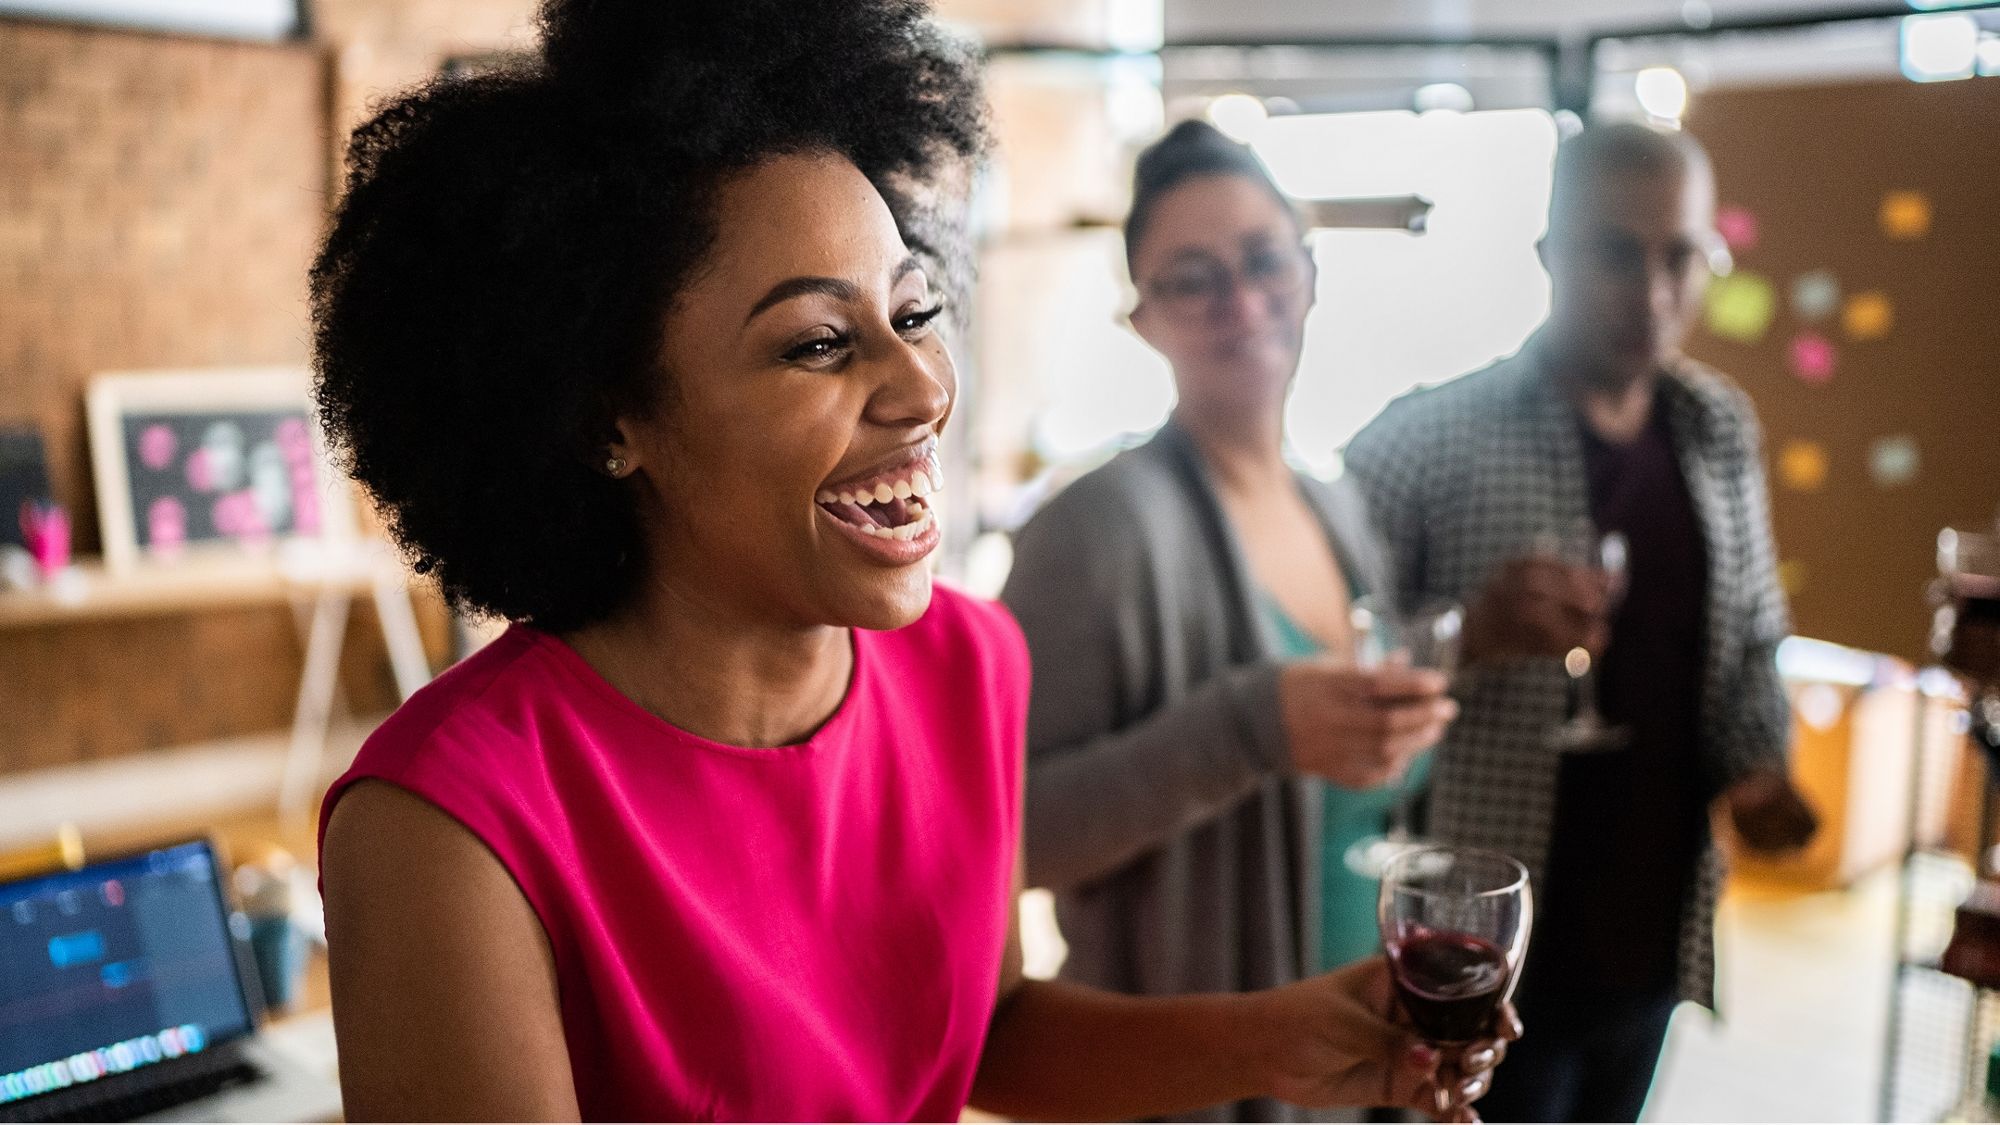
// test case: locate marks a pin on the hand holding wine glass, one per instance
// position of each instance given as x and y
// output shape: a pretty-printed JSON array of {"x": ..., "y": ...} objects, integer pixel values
[
  {"x": 1596, "y": 567},
  {"x": 1455, "y": 922},
  {"x": 1542, "y": 604},
  {"x": 1340, "y": 1039},
  {"x": 1359, "y": 727}
]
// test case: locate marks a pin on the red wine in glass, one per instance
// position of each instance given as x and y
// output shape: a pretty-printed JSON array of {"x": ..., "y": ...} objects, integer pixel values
[
  {"x": 1451, "y": 984},
  {"x": 1455, "y": 923}
]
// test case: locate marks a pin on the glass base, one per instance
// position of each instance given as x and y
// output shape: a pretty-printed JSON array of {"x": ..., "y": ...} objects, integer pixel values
[{"x": 1589, "y": 735}]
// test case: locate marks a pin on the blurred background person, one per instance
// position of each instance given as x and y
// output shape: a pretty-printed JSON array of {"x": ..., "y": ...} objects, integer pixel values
[
  {"x": 1202, "y": 747},
  {"x": 1600, "y": 423}
]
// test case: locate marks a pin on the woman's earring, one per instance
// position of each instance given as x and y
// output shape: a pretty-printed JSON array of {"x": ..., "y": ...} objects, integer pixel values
[{"x": 615, "y": 466}]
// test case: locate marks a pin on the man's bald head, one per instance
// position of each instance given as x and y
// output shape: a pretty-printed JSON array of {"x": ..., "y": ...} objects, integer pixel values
[
  {"x": 1631, "y": 227},
  {"x": 1620, "y": 150}
]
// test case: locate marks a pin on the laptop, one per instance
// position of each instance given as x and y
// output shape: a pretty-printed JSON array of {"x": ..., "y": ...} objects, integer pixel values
[{"x": 128, "y": 992}]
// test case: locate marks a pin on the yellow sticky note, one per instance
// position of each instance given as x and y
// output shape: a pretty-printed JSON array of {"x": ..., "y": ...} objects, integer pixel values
[
  {"x": 1803, "y": 466},
  {"x": 1740, "y": 307},
  {"x": 1868, "y": 316},
  {"x": 1906, "y": 215}
]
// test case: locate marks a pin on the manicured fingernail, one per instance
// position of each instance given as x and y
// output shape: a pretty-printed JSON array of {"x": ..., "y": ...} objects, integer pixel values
[{"x": 1423, "y": 1056}]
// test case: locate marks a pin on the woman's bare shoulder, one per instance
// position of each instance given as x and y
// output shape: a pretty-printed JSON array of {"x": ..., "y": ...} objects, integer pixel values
[
  {"x": 378, "y": 824},
  {"x": 436, "y": 953}
]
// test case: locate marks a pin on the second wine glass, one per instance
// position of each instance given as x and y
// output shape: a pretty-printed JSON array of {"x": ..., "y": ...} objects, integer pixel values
[{"x": 1427, "y": 637}]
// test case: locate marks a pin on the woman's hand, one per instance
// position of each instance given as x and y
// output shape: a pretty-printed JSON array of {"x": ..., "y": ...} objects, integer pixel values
[
  {"x": 1360, "y": 727},
  {"x": 1339, "y": 1040}
]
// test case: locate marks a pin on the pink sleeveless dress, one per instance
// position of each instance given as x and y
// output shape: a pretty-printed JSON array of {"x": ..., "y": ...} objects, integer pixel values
[{"x": 805, "y": 933}]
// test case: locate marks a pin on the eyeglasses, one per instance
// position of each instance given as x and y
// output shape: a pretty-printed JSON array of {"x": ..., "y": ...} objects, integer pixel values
[{"x": 1200, "y": 282}]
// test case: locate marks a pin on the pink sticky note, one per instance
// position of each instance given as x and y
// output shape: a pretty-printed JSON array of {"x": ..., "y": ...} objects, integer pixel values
[
  {"x": 201, "y": 471},
  {"x": 156, "y": 446},
  {"x": 237, "y": 516},
  {"x": 293, "y": 440},
  {"x": 166, "y": 527},
  {"x": 1813, "y": 358},
  {"x": 1737, "y": 226}
]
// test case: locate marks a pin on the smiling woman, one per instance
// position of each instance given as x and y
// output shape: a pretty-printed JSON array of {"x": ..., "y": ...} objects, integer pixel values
[{"x": 634, "y": 345}]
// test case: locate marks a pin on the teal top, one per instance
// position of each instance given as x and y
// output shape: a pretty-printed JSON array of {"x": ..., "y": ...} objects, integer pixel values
[{"x": 1347, "y": 901}]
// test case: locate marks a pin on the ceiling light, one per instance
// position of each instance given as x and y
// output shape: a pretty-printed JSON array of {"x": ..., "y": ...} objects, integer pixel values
[
  {"x": 1239, "y": 116},
  {"x": 1940, "y": 48},
  {"x": 1449, "y": 97},
  {"x": 1662, "y": 92}
]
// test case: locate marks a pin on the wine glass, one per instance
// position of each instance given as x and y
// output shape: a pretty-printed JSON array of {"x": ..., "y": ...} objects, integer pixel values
[
  {"x": 1455, "y": 923},
  {"x": 1966, "y": 633},
  {"x": 1584, "y": 729},
  {"x": 1427, "y": 638}
]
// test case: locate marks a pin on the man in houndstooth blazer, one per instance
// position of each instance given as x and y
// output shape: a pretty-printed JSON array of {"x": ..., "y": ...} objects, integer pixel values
[{"x": 1468, "y": 476}]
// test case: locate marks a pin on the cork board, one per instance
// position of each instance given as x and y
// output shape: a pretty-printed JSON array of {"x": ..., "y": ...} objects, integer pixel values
[{"x": 1861, "y": 319}]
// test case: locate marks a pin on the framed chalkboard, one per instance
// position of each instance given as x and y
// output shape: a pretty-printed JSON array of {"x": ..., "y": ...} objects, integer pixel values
[{"x": 201, "y": 464}]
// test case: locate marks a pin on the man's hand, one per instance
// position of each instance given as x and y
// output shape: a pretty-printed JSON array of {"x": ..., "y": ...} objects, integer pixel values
[
  {"x": 1769, "y": 814},
  {"x": 1539, "y": 606}
]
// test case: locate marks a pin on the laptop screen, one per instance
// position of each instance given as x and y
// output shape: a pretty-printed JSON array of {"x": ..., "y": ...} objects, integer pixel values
[{"x": 119, "y": 965}]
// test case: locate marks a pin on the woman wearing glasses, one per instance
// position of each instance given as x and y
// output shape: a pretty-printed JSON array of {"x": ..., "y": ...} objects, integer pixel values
[{"x": 1201, "y": 745}]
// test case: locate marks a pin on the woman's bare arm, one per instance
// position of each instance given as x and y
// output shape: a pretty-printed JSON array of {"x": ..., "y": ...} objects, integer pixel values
[
  {"x": 1064, "y": 1052},
  {"x": 444, "y": 988}
]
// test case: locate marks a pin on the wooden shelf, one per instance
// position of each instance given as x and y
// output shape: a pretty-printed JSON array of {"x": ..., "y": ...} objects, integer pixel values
[
  {"x": 320, "y": 580},
  {"x": 89, "y": 592}
]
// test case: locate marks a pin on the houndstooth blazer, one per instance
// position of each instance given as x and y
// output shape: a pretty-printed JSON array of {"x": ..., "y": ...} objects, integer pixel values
[{"x": 1464, "y": 476}]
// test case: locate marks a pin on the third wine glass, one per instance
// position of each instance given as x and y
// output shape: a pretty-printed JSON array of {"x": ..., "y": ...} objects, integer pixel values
[{"x": 1584, "y": 728}]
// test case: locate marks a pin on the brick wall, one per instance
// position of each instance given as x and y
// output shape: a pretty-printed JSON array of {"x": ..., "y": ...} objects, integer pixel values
[
  {"x": 158, "y": 202},
  {"x": 160, "y": 197}
]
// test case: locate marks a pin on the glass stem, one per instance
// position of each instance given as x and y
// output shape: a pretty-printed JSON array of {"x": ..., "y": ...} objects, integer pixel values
[
  {"x": 1583, "y": 698},
  {"x": 1399, "y": 812}
]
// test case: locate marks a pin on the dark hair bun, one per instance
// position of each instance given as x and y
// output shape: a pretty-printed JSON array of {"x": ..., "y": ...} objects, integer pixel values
[
  {"x": 1189, "y": 150},
  {"x": 1192, "y": 148}
]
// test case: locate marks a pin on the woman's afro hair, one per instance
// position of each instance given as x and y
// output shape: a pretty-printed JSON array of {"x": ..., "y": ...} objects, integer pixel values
[{"x": 495, "y": 284}]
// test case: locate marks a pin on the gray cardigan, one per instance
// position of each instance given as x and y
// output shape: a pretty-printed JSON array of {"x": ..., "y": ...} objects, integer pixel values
[{"x": 1183, "y": 855}]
